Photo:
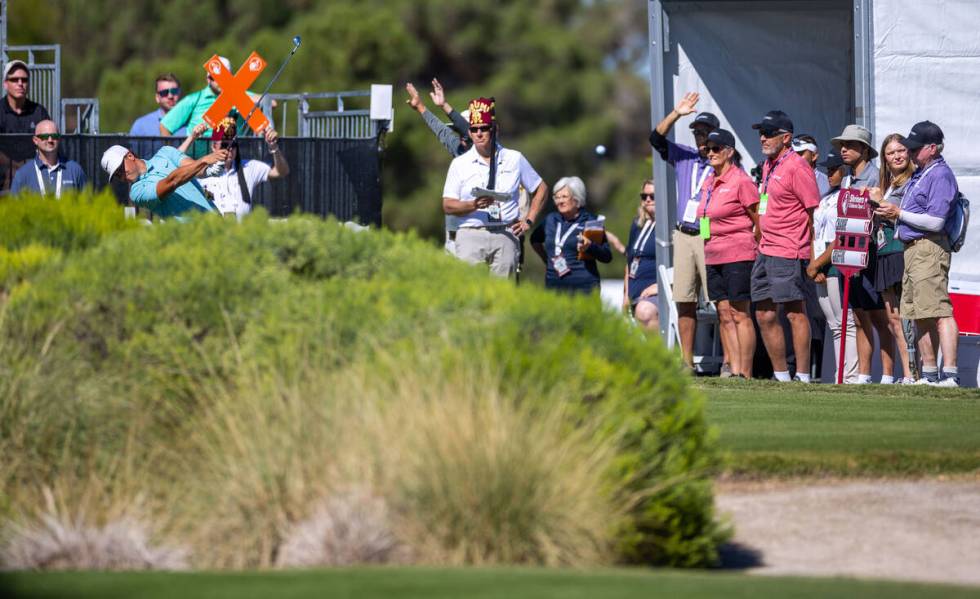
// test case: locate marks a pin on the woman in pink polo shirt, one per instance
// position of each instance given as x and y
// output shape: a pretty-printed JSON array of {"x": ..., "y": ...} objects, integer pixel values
[{"x": 729, "y": 226}]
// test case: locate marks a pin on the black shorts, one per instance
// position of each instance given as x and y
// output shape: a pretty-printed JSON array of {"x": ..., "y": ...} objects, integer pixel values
[
  {"x": 862, "y": 294},
  {"x": 731, "y": 281},
  {"x": 778, "y": 279}
]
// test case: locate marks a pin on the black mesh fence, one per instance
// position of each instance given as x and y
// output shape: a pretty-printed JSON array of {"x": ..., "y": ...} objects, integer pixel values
[{"x": 338, "y": 177}]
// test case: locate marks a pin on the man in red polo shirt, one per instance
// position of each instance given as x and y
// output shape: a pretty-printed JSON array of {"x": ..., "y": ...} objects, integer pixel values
[{"x": 787, "y": 197}]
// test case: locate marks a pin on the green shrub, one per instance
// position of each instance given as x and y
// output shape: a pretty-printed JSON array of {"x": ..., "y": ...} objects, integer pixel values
[
  {"x": 17, "y": 265},
  {"x": 146, "y": 332},
  {"x": 36, "y": 230},
  {"x": 74, "y": 222}
]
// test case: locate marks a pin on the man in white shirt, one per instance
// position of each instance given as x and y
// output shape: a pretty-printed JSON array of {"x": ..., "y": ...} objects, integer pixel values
[
  {"x": 226, "y": 187},
  {"x": 490, "y": 225}
]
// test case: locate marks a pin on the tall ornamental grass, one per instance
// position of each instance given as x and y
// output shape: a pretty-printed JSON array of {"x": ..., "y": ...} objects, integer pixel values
[{"x": 242, "y": 382}]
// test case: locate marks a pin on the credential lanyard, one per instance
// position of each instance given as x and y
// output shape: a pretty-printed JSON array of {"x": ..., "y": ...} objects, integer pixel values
[
  {"x": 765, "y": 184},
  {"x": 695, "y": 182},
  {"x": 561, "y": 239},
  {"x": 707, "y": 200},
  {"x": 918, "y": 178},
  {"x": 40, "y": 181},
  {"x": 888, "y": 193},
  {"x": 641, "y": 239}
]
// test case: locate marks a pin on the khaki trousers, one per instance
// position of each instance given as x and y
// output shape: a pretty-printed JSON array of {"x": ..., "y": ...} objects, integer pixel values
[{"x": 497, "y": 248}]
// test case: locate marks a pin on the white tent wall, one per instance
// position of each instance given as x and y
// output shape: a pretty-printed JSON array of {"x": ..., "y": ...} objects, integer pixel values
[
  {"x": 746, "y": 58},
  {"x": 927, "y": 66}
]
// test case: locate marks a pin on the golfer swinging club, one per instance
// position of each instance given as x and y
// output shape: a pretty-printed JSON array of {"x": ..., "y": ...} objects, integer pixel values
[{"x": 166, "y": 183}]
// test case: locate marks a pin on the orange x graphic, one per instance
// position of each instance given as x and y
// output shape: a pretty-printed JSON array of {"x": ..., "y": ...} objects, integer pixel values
[{"x": 233, "y": 91}]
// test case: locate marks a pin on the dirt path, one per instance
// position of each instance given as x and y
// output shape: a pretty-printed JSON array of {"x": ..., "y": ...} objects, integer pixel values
[{"x": 927, "y": 530}]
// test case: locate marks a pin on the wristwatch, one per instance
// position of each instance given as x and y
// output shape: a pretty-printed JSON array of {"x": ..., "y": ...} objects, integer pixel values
[{"x": 530, "y": 223}]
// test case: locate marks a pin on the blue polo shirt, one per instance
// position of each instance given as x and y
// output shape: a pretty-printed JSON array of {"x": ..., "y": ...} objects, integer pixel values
[
  {"x": 188, "y": 197},
  {"x": 35, "y": 173},
  {"x": 148, "y": 125}
]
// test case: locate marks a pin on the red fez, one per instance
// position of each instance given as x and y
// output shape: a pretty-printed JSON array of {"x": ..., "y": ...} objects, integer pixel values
[
  {"x": 482, "y": 111},
  {"x": 227, "y": 129}
]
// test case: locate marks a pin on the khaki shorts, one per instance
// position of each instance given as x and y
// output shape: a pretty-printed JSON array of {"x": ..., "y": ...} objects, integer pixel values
[
  {"x": 690, "y": 275},
  {"x": 497, "y": 248},
  {"x": 925, "y": 280}
]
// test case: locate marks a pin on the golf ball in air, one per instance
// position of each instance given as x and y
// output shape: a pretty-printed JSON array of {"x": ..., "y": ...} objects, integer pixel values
[{"x": 600, "y": 150}]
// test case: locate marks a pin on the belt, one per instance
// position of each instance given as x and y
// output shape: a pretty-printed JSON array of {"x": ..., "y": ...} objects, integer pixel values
[
  {"x": 687, "y": 230},
  {"x": 500, "y": 227},
  {"x": 933, "y": 237}
]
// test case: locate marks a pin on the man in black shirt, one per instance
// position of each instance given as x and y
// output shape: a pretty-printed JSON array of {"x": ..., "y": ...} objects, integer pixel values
[{"x": 18, "y": 114}]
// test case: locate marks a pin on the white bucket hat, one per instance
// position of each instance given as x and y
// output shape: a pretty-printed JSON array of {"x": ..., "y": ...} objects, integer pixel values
[{"x": 112, "y": 159}]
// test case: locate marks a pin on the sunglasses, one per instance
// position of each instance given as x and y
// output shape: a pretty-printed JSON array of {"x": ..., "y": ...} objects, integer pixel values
[
  {"x": 714, "y": 149},
  {"x": 18, "y": 80},
  {"x": 771, "y": 132},
  {"x": 170, "y": 91},
  {"x": 482, "y": 129},
  {"x": 47, "y": 136},
  {"x": 646, "y": 196}
]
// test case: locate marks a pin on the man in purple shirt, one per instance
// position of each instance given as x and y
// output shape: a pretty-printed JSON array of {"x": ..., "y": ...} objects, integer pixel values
[
  {"x": 691, "y": 169},
  {"x": 923, "y": 220}
]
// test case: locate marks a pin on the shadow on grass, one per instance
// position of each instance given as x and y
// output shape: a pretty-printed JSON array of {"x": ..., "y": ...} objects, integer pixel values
[{"x": 736, "y": 556}]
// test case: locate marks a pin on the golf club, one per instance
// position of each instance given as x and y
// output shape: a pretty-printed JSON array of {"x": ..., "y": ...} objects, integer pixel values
[{"x": 296, "y": 43}]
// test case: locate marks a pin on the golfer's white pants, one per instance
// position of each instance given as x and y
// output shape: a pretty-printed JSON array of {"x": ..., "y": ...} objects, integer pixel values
[{"x": 829, "y": 298}]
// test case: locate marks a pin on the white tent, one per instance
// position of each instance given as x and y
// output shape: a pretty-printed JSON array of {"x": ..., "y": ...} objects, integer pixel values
[{"x": 884, "y": 64}]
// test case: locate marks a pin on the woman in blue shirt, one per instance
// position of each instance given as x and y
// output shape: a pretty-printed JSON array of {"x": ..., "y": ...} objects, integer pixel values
[
  {"x": 559, "y": 241},
  {"x": 640, "y": 280}
]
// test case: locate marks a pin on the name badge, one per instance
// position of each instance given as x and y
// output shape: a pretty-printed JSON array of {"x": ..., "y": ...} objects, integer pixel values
[
  {"x": 561, "y": 266},
  {"x": 494, "y": 211},
  {"x": 704, "y": 227},
  {"x": 763, "y": 202},
  {"x": 634, "y": 268},
  {"x": 691, "y": 210}
]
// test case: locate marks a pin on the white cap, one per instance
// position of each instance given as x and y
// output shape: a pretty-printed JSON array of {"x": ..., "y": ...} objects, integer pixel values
[
  {"x": 12, "y": 65},
  {"x": 112, "y": 159},
  {"x": 225, "y": 62},
  {"x": 800, "y": 145}
]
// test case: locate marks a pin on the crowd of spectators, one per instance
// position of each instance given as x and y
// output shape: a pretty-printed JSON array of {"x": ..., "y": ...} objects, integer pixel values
[{"x": 761, "y": 251}]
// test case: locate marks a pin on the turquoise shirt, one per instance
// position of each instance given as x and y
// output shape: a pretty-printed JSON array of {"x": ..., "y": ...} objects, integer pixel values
[
  {"x": 188, "y": 197},
  {"x": 189, "y": 112}
]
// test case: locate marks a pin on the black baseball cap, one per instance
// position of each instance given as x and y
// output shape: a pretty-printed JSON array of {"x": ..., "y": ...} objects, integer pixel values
[
  {"x": 706, "y": 118},
  {"x": 831, "y": 161},
  {"x": 775, "y": 119},
  {"x": 722, "y": 138},
  {"x": 923, "y": 134}
]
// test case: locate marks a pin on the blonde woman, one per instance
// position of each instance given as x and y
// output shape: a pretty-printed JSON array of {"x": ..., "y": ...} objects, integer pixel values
[
  {"x": 896, "y": 171},
  {"x": 640, "y": 279}
]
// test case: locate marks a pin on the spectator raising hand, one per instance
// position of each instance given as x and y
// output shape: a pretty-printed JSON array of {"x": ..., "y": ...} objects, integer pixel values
[
  {"x": 688, "y": 104},
  {"x": 413, "y": 99}
]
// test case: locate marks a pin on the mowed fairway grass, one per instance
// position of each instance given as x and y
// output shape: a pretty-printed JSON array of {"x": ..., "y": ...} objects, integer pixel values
[
  {"x": 474, "y": 583},
  {"x": 790, "y": 429}
]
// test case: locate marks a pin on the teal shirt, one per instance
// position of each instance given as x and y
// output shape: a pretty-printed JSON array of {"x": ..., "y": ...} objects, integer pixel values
[
  {"x": 188, "y": 197},
  {"x": 189, "y": 112}
]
